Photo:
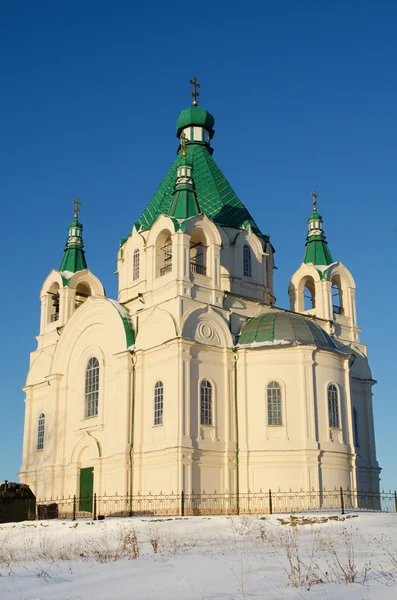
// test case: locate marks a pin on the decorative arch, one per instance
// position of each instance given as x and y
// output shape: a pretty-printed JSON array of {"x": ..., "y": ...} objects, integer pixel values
[
  {"x": 86, "y": 442},
  {"x": 96, "y": 315},
  {"x": 297, "y": 284},
  {"x": 160, "y": 321},
  {"x": 209, "y": 229},
  {"x": 86, "y": 283},
  {"x": 205, "y": 325}
]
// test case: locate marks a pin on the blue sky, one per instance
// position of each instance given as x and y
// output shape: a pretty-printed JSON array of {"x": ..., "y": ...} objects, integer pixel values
[{"x": 303, "y": 94}]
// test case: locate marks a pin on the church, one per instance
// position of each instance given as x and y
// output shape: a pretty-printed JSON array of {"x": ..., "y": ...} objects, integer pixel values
[{"x": 194, "y": 380}]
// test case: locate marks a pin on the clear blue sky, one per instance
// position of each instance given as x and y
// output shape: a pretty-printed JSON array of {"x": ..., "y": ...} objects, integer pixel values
[{"x": 304, "y": 96}]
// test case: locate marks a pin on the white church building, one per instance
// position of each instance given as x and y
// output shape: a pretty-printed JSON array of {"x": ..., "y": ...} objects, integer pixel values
[{"x": 193, "y": 379}]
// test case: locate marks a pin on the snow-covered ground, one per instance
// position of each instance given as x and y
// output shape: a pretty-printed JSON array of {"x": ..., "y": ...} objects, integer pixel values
[{"x": 197, "y": 558}]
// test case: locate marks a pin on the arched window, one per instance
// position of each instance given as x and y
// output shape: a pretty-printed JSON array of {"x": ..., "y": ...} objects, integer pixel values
[
  {"x": 247, "y": 261},
  {"x": 337, "y": 299},
  {"x": 83, "y": 291},
  {"x": 158, "y": 403},
  {"x": 333, "y": 406},
  {"x": 198, "y": 252},
  {"x": 205, "y": 403},
  {"x": 40, "y": 432},
  {"x": 355, "y": 429},
  {"x": 309, "y": 294},
  {"x": 274, "y": 404},
  {"x": 53, "y": 303},
  {"x": 91, "y": 388},
  {"x": 135, "y": 265}
]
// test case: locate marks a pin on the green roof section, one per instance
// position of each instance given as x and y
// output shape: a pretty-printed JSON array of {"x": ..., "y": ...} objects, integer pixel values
[
  {"x": 125, "y": 317},
  {"x": 317, "y": 252},
  {"x": 184, "y": 203},
  {"x": 214, "y": 194},
  {"x": 195, "y": 116},
  {"x": 280, "y": 328},
  {"x": 73, "y": 258}
]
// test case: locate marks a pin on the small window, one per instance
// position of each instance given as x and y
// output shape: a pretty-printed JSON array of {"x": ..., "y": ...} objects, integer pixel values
[
  {"x": 247, "y": 261},
  {"x": 205, "y": 403},
  {"x": 333, "y": 406},
  {"x": 135, "y": 265},
  {"x": 91, "y": 388},
  {"x": 158, "y": 403},
  {"x": 274, "y": 404},
  {"x": 355, "y": 429},
  {"x": 40, "y": 432}
]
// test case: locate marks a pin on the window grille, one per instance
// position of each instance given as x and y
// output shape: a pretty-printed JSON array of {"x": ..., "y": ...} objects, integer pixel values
[
  {"x": 158, "y": 403},
  {"x": 247, "y": 261},
  {"x": 91, "y": 388},
  {"x": 337, "y": 304},
  {"x": 205, "y": 403},
  {"x": 274, "y": 404},
  {"x": 197, "y": 258},
  {"x": 40, "y": 432},
  {"x": 135, "y": 265},
  {"x": 333, "y": 406},
  {"x": 167, "y": 250}
]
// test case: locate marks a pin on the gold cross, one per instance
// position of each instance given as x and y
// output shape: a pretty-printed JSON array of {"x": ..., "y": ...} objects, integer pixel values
[
  {"x": 77, "y": 205},
  {"x": 195, "y": 92},
  {"x": 314, "y": 203},
  {"x": 183, "y": 144}
]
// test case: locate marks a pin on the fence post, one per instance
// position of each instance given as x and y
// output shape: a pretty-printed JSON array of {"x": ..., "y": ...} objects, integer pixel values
[
  {"x": 74, "y": 507},
  {"x": 95, "y": 508},
  {"x": 395, "y": 500},
  {"x": 270, "y": 503},
  {"x": 183, "y": 503},
  {"x": 342, "y": 502}
]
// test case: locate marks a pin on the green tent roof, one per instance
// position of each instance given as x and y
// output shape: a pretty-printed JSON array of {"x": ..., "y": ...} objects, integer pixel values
[{"x": 215, "y": 196}]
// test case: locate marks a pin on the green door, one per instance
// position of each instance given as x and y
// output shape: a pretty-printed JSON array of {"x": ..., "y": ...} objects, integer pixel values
[{"x": 86, "y": 489}]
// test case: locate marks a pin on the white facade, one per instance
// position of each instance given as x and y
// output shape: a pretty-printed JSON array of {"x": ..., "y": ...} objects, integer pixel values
[{"x": 156, "y": 393}]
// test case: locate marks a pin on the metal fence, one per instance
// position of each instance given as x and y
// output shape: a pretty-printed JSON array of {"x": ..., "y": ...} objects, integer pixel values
[{"x": 250, "y": 503}]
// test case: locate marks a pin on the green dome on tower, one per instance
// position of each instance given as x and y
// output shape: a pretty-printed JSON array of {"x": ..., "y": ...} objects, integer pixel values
[{"x": 195, "y": 116}]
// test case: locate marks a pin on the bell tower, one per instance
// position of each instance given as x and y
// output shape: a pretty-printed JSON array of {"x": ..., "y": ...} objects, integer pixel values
[
  {"x": 322, "y": 287},
  {"x": 67, "y": 288}
]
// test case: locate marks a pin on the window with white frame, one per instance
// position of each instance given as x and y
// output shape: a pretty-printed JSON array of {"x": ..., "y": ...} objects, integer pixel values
[
  {"x": 158, "y": 403},
  {"x": 247, "y": 261},
  {"x": 333, "y": 406},
  {"x": 274, "y": 404},
  {"x": 135, "y": 265},
  {"x": 91, "y": 388},
  {"x": 205, "y": 403},
  {"x": 40, "y": 432}
]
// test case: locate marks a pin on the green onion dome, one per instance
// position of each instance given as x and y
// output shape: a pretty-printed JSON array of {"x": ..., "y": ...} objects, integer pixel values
[
  {"x": 195, "y": 117},
  {"x": 279, "y": 329}
]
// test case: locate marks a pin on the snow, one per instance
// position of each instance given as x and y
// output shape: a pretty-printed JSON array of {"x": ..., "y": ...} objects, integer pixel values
[
  {"x": 122, "y": 310},
  {"x": 266, "y": 343},
  {"x": 201, "y": 558},
  {"x": 67, "y": 274}
]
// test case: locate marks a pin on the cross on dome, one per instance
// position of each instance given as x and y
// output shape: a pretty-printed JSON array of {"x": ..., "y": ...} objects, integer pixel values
[
  {"x": 314, "y": 203},
  {"x": 77, "y": 205},
  {"x": 195, "y": 92}
]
